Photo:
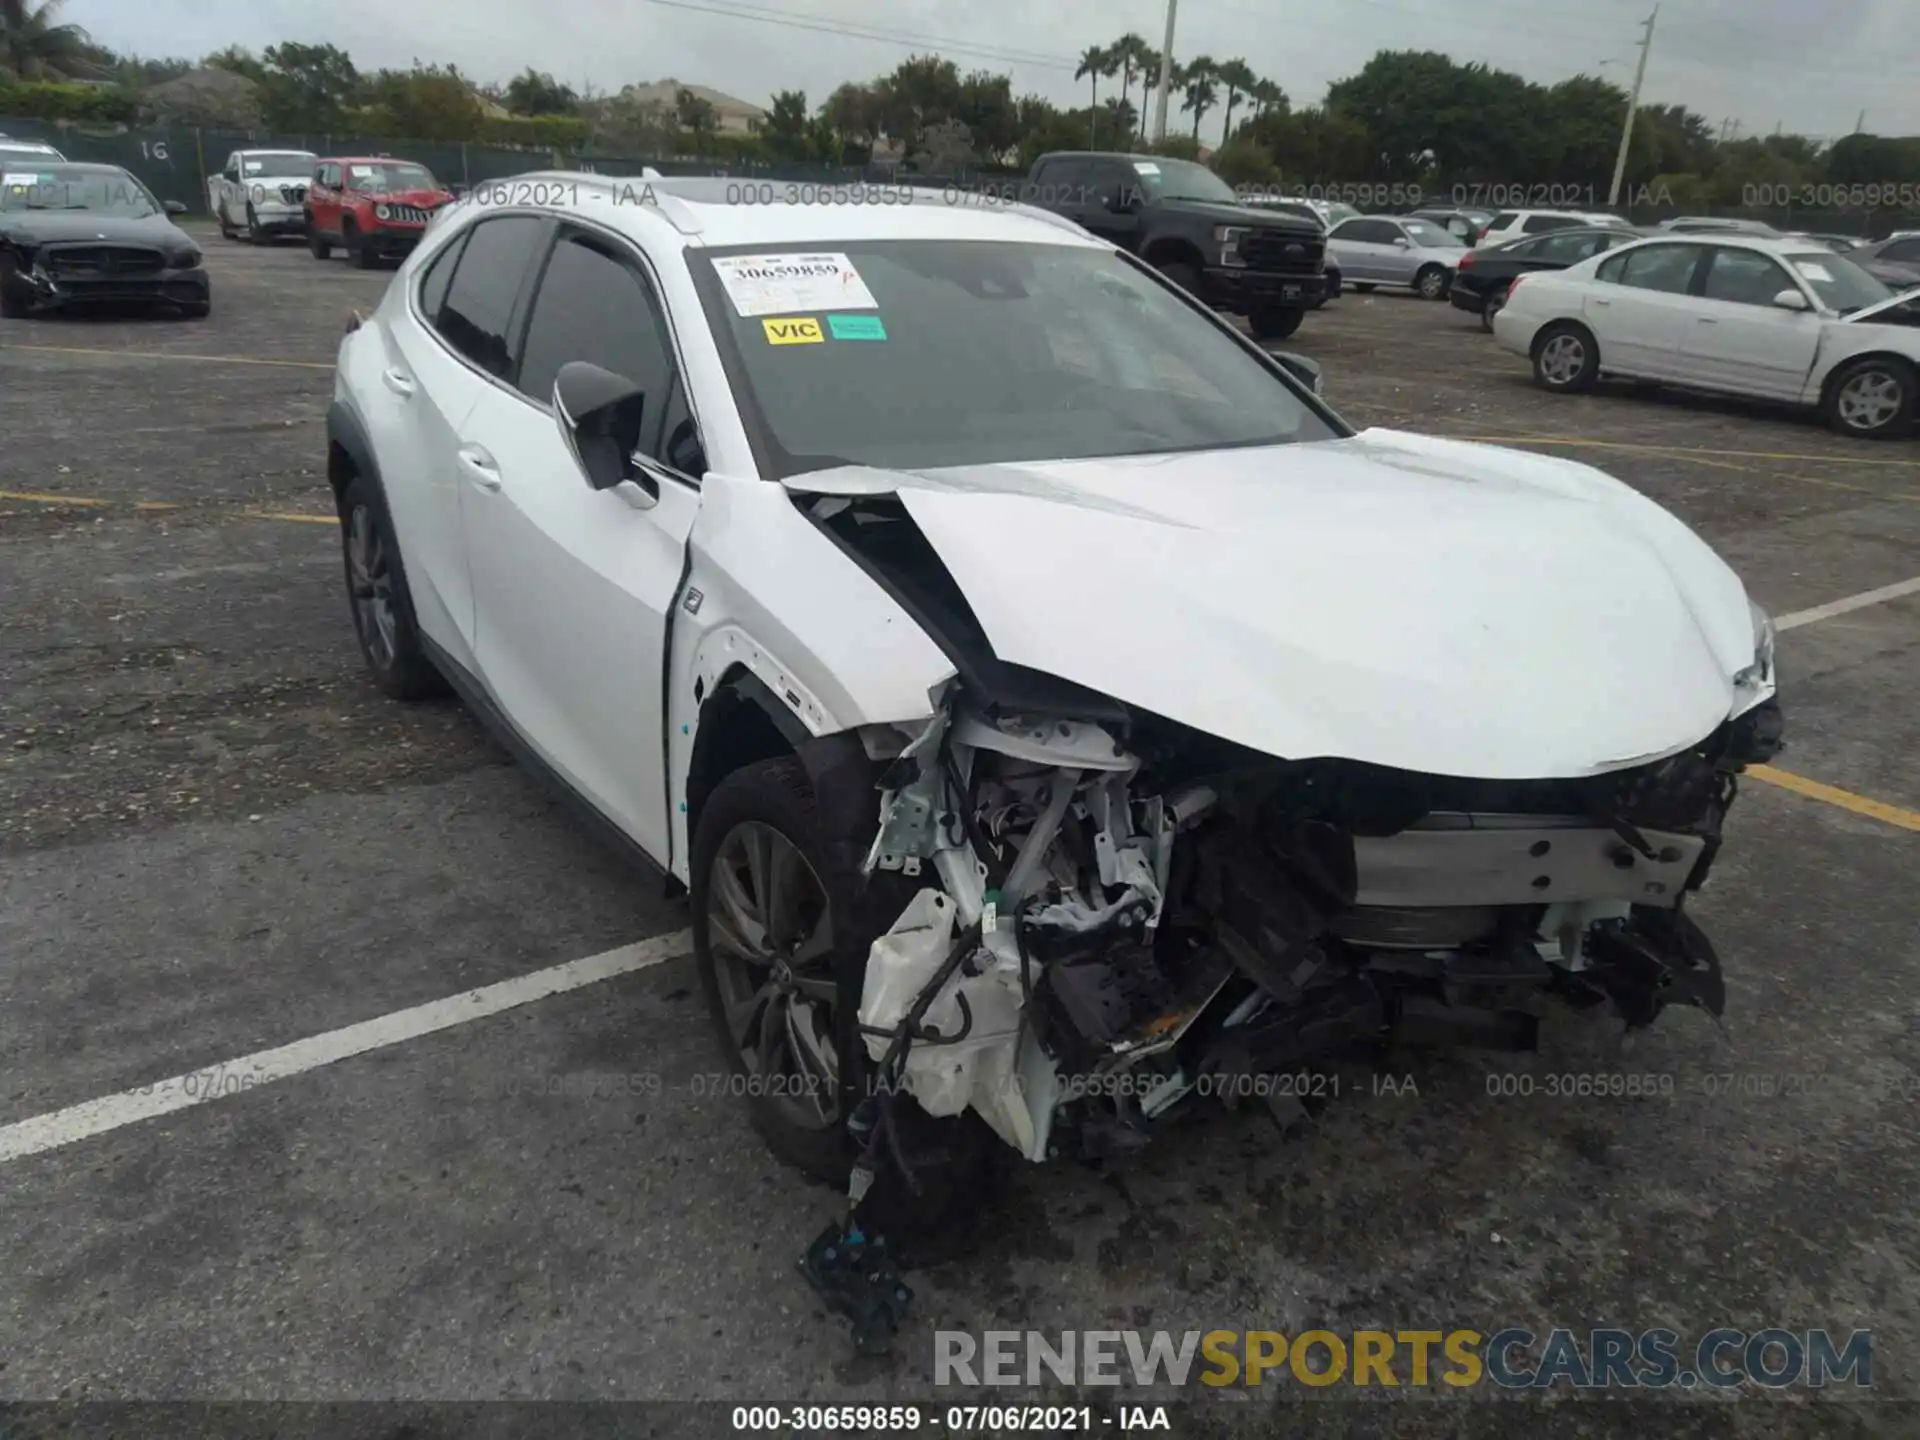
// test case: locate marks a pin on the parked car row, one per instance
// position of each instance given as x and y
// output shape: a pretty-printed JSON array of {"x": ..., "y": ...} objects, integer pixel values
[
  {"x": 373, "y": 207},
  {"x": 1761, "y": 316}
]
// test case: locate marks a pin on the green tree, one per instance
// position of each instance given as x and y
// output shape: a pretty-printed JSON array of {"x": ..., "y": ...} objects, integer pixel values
[
  {"x": 853, "y": 113},
  {"x": 1268, "y": 97},
  {"x": 992, "y": 118},
  {"x": 1130, "y": 50},
  {"x": 36, "y": 45},
  {"x": 1096, "y": 61},
  {"x": 534, "y": 92},
  {"x": 1149, "y": 82},
  {"x": 240, "y": 60},
  {"x": 428, "y": 102},
  {"x": 310, "y": 88},
  {"x": 785, "y": 130},
  {"x": 1199, "y": 89},
  {"x": 922, "y": 91},
  {"x": 1238, "y": 79},
  {"x": 696, "y": 115}
]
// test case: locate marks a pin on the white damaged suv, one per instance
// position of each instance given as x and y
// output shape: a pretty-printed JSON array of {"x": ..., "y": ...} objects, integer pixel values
[{"x": 1057, "y": 714}]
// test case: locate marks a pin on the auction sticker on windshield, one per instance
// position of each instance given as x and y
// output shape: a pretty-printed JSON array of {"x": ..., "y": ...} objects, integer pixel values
[
  {"x": 794, "y": 330},
  {"x": 1814, "y": 271},
  {"x": 19, "y": 182},
  {"x": 783, "y": 284}
]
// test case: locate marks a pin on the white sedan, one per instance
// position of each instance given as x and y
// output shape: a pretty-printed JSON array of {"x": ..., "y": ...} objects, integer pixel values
[
  {"x": 1057, "y": 714},
  {"x": 1775, "y": 319}
]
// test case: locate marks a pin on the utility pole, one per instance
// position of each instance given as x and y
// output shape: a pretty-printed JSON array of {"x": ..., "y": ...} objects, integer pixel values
[
  {"x": 1633, "y": 106},
  {"x": 1166, "y": 77},
  {"x": 1861, "y": 123}
]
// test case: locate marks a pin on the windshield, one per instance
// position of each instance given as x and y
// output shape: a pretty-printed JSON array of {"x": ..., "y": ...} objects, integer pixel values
[
  {"x": 1840, "y": 284},
  {"x": 385, "y": 178},
  {"x": 293, "y": 162},
  {"x": 1183, "y": 180},
  {"x": 1425, "y": 232},
  {"x": 922, "y": 354},
  {"x": 55, "y": 187},
  {"x": 1338, "y": 213}
]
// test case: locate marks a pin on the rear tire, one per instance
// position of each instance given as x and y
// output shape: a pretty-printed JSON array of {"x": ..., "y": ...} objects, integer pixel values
[
  {"x": 1873, "y": 399},
  {"x": 1275, "y": 324},
  {"x": 1495, "y": 303},
  {"x": 383, "y": 618},
  {"x": 1566, "y": 357},
  {"x": 1431, "y": 283},
  {"x": 220, "y": 214}
]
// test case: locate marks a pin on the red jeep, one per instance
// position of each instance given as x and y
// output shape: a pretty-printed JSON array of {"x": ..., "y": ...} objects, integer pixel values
[{"x": 373, "y": 207}]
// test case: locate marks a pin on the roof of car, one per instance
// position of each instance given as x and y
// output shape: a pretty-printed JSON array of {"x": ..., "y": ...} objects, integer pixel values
[
  {"x": 368, "y": 160},
  {"x": 1736, "y": 239},
  {"x": 717, "y": 211},
  {"x": 90, "y": 167}
]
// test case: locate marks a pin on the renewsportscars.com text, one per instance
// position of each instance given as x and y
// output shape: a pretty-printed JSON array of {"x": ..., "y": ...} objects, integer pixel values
[{"x": 1512, "y": 1358}]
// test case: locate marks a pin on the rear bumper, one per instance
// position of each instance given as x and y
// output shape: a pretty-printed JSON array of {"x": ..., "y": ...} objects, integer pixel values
[
  {"x": 1462, "y": 298},
  {"x": 1241, "y": 291}
]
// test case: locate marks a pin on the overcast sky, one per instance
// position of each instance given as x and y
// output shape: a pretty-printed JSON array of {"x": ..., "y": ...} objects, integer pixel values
[{"x": 1809, "y": 67}]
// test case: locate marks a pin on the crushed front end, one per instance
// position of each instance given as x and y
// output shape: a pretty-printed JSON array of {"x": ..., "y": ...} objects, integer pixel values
[{"x": 1122, "y": 917}]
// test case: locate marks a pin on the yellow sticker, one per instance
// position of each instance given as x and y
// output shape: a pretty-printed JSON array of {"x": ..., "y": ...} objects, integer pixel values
[{"x": 794, "y": 330}]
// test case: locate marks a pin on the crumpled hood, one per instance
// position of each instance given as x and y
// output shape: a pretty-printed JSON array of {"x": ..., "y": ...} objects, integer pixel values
[
  {"x": 42, "y": 227},
  {"x": 1425, "y": 604}
]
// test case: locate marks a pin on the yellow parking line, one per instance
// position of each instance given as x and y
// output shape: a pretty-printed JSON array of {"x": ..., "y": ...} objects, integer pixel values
[
  {"x": 288, "y": 515},
  {"x": 1845, "y": 799},
  {"x": 1685, "y": 450},
  {"x": 169, "y": 355},
  {"x": 35, "y": 498}
]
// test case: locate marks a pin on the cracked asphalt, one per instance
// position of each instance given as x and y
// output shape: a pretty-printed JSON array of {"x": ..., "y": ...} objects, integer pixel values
[{"x": 217, "y": 837}]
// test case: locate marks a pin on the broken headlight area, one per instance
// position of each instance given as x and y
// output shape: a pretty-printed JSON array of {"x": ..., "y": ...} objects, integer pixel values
[{"x": 1119, "y": 920}]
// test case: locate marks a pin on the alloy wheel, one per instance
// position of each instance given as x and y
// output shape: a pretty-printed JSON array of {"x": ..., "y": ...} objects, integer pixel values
[
  {"x": 1869, "y": 400},
  {"x": 371, "y": 580},
  {"x": 771, "y": 938},
  {"x": 1562, "y": 359}
]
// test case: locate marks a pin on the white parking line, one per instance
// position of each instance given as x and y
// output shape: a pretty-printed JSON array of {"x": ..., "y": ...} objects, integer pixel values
[
  {"x": 1852, "y": 602},
  {"x": 263, "y": 1067}
]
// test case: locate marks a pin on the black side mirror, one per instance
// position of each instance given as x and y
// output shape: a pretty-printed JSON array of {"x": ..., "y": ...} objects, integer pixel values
[
  {"x": 599, "y": 416},
  {"x": 175, "y": 207},
  {"x": 1306, "y": 371}
]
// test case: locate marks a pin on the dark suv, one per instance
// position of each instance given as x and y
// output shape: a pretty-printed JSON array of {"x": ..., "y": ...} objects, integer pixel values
[{"x": 1187, "y": 222}]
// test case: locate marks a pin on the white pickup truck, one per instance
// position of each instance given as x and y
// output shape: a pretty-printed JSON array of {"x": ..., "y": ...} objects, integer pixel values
[{"x": 262, "y": 193}]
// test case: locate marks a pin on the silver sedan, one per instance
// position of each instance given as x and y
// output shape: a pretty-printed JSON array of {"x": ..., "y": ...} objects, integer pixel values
[{"x": 1396, "y": 250}]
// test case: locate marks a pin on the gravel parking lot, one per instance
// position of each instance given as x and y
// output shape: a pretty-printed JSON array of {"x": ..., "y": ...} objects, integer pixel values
[{"x": 216, "y": 838}]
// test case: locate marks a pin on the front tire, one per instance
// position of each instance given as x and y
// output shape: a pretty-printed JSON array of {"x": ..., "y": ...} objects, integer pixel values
[
  {"x": 13, "y": 305},
  {"x": 1873, "y": 399},
  {"x": 383, "y": 618},
  {"x": 359, "y": 247},
  {"x": 784, "y": 1002},
  {"x": 255, "y": 235},
  {"x": 763, "y": 944},
  {"x": 1186, "y": 276},
  {"x": 1431, "y": 283},
  {"x": 1566, "y": 357},
  {"x": 1274, "y": 324}
]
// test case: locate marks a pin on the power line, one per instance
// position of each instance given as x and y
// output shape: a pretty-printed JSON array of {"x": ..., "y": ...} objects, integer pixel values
[{"x": 905, "y": 39}]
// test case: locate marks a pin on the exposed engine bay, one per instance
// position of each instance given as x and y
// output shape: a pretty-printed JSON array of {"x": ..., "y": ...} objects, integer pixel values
[{"x": 1119, "y": 919}]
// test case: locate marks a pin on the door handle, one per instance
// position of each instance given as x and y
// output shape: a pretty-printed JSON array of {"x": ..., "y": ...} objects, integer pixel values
[
  {"x": 1707, "y": 320},
  {"x": 1602, "y": 304},
  {"x": 399, "y": 382},
  {"x": 480, "y": 466}
]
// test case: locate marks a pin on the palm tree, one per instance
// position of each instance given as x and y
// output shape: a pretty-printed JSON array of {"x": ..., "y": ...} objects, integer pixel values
[
  {"x": 32, "y": 46},
  {"x": 1239, "y": 79},
  {"x": 1128, "y": 50},
  {"x": 1095, "y": 61},
  {"x": 1267, "y": 98},
  {"x": 1196, "y": 81},
  {"x": 1149, "y": 82}
]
